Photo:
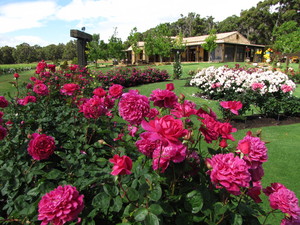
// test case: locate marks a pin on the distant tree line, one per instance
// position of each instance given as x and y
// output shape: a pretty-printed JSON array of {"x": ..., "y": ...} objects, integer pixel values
[{"x": 269, "y": 23}]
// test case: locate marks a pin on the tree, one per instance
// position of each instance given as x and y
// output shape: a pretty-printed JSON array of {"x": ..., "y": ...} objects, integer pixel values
[
  {"x": 158, "y": 42},
  {"x": 287, "y": 38},
  {"x": 54, "y": 52},
  {"x": 97, "y": 49},
  {"x": 6, "y": 55},
  {"x": 115, "y": 47},
  {"x": 70, "y": 50},
  {"x": 134, "y": 39},
  {"x": 24, "y": 53},
  {"x": 210, "y": 42},
  {"x": 231, "y": 23}
]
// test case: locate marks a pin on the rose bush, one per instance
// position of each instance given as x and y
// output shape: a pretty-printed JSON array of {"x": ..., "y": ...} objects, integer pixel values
[
  {"x": 270, "y": 91},
  {"x": 90, "y": 155}
]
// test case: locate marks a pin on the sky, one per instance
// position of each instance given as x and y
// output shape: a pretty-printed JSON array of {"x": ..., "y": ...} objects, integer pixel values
[{"x": 45, "y": 22}]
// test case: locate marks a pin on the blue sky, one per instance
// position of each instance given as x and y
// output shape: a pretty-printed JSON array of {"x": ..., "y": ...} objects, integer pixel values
[{"x": 45, "y": 22}]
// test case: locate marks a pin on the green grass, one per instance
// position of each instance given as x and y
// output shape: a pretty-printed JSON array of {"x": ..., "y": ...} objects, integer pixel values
[{"x": 14, "y": 66}]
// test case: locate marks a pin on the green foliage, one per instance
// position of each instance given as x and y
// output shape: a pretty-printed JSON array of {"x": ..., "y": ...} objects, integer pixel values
[
  {"x": 97, "y": 49},
  {"x": 210, "y": 42},
  {"x": 115, "y": 47}
]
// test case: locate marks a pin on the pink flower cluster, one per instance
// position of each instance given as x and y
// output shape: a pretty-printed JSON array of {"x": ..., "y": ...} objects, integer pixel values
[
  {"x": 283, "y": 199},
  {"x": 163, "y": 98},
  {"x": 95, "y": 107},
  {"x": 286, "y": 88},
  {"x": 233, "y": 106},
  {"x": 229, "y": 171},
  {"x": 41, "y": 89},
  {"x": 161, "y": 141},
  {"x": 257, "y": 86},
  {"x": 212, "y": 129},
  {"x": 134, "y": 107},
  {"x": 61, "y": 205},
  {"x": 41, "y": 146},
  {"x": 69, "y": 89},
  {"x": 26, "y": 100}
]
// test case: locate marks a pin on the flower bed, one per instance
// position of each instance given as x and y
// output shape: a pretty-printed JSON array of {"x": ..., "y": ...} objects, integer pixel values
[
  {"x": 129, "y": 77},
  {"x": 72, "y": 153},
  {"x": 271, "y": 92}
]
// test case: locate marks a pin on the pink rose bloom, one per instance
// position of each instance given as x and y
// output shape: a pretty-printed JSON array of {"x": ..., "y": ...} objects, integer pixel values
[
  {"x": 163, "y": 98},
  {"x": 216, "y": 85},
  {"x": 93, "y": 108},
  {"x": 254, "y": 150},
  {"x": 41, "y": 146},
  {"x": 3, "y": 102},
  {"x": 74, "y": 67},
  {"x": 122, "y": 165},
  {"x": 16, "y": 75},
  {"x": 286, "y": 88},
  {"x": 51, "y": 67},
  {"x": 26, "y": 100},
  {"x": 203, "y": 113},
  {"x": 230, "y": 172},
  {"x": 3, "y": 132},
  {"x": 153, "y": 113},
  {"x": 116, "y": 90},
  {"x": 255, "y": 191},
  {"x": 165, "y": 128},
  {"x": 70, "y": 89},
  {"x": 223, "y": 143},
  {"x": 133, "y": 107},
  {"x": 162, "y": 155},
  {"x": 186, "y": 109},
  {"x": 100, "y": 92},
  {"x": 233, "y": 106},
  {"x": 61, "y": 205},
  {"x": 41, "y": 89},
  {"x": 290, "y": 221},
  {"x": 283, "y": 199},
  {"x": 170, "y": 87},
  {"x": 256, "y": 86},
  {"x": 225, "y": 130},
  {"x": 132, "y": 130},
  {"x": 208, "y": 128},
  {"x": 145, "y": 145},
  {"x": 41, "y": 66}
]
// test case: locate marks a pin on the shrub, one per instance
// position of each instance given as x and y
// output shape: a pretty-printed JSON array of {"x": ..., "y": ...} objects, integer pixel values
[{"x": 148, "y": 166}]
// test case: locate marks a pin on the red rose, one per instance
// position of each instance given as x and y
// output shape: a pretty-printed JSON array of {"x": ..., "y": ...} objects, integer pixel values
[
  {"x": 122, "y": 165},
  {"x": 116, "y": 90},
  {"x": 41, "y": 146},
  {"x": 100, "y": 92},
  {"x": 233, "y": 106},
  {"x": 3, "y": 102},
  {"x": 16, "y": 75},
  {"x": 41, "y": 89},
  {"x": 69, "y": 89},
  {"x": 3, "y": 133},
  {"x": 170, "y": 87}
]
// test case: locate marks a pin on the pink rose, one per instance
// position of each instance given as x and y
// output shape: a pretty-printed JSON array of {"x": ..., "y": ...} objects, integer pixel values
[
  {"x": 40, "y": 89},
  {"x": 51, "y": 67},
  {"x": 100, "y": 92},
  {"x": 286, "y": 88},
  {"x": 186, "y": 109},
  {"x": 254, "y": 150},
  {"x": 16, "y": 75},
  {"x": 162, "y": 155},
  {"x": 223, "y": 143},
  {"x": 145, "y": 145},
  {"x": 60, "y": 205},
  {"x": 116, "y": 90},
  {"x": 26, "y": 100},
  {"x": 230, "y": 172},
  {"x": 122, "y": 165},
  {"x": 93, "y": 107},
  {"x": 153, "y": 113},
  {"x": 225, "y": 130},
  {"x": 170, "y": 87},
  {"x": 41, "y": 146},
  {"x": 69, "y": 89},
  {"x": 233, "y": 106},
  {"x": 165, "y": 128},
  {"x": 3, "y": 102},
  {"x": 3, "y": 132},
  {"x": 256, "y": 86},
  {"x": 41, "y": 66},
  {"x": 133, "y": 107},
  {"x": 163, "y": 98},
  {"x": 283, "y": 199},
  {"x": 290, "y": 221},
  {"x": 208, "y": 128}
]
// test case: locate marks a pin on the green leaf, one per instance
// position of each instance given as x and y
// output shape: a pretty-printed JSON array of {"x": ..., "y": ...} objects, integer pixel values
[
  {"x": 132, "y": 194},
  {"x": 34, "y": 191},
  {"x": 237, "y": 219},
  {"x": 54, "y": 174},
  {"x": 111, "y": 190},
  {"x": 102, "y": 201},
  {"x": 156, "y": 193},
  {"x": 156, "y": 209},
  {"x": 117, "y": 206},
  {"x": 219, "y": 208},
  {"x": 151, "y": 219},
  {"x": 140, "y": 214},
  {"x": 194, "y": 201}
]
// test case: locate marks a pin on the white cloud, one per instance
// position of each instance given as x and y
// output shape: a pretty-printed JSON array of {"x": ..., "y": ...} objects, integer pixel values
[
  {"x": 24, "y": 15},
  {"x": 14, "y": 41}
]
